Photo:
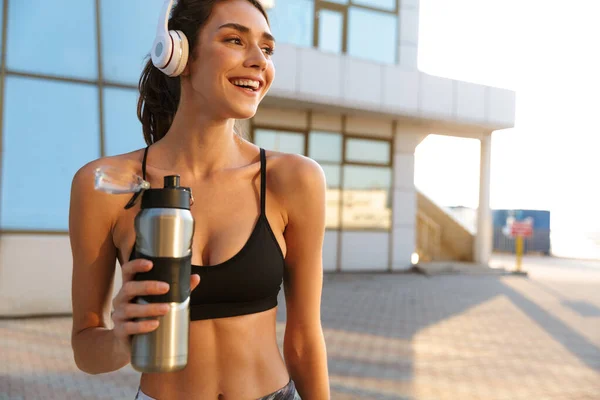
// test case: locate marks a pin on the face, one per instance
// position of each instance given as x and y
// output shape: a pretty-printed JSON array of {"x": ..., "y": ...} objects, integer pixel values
[{"x": 232, "y": 68}]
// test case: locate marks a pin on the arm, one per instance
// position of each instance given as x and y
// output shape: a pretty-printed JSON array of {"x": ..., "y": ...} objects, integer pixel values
[
  {"x": 95, "y": 348},
  {"x": 99, "y": 347},
  {"x": 304, "y": 344}
]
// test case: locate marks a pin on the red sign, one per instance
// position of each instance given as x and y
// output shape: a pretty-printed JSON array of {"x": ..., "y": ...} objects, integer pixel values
[{"x": 521, "y": 228}]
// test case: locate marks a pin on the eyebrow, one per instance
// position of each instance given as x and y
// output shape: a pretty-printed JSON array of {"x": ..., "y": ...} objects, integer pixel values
[{"x": 245, "y": 29}]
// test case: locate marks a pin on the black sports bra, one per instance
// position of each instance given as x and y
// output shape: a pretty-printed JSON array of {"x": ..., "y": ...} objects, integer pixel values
[{"x": 248, "y": 282}]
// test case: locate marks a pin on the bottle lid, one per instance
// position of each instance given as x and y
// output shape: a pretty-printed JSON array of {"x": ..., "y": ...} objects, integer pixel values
[{"x": 170, "y": 196}]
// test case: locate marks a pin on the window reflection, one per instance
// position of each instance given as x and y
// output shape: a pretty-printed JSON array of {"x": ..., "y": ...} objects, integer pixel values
[
  {"x": 332, "y": 175},
  {"x": 325, "y": 146},
  {"x": 122, "y": 129},
  {"x": 123, "y": 60},
  {"x": 362, "y": 191},
  {"x": 45, "y": 38},
  {"x": 389, "y": 5},
  {"x": 283, "y": 141},
  {"x": 366, "y": 197},
  {"x": 292, "y": 22},
  {"x": 1, "y": 25},
  {"x": 42, "y": 154},
  {"x": 331, "y": 28},
  {"x": 332, "y": 195},
  {"x": 364, "y": 42},
  {"x": 368, "y": 151}
]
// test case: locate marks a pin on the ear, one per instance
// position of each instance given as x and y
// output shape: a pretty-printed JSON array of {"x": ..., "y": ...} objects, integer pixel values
[{"x": 186, "y": 70}]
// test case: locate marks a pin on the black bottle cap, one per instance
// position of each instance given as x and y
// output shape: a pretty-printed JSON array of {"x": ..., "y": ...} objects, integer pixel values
[
  {"x": 171, "y": 196},
  {"x": 171, "y": 181}
]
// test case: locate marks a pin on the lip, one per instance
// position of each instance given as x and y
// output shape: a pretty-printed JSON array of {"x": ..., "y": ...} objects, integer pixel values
[
  {"x": 246, "y": 92},
  {"x": 261, "y": 82}
]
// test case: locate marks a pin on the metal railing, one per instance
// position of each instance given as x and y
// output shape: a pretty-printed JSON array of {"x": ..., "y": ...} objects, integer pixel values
[{"x": 429, "y": 238}]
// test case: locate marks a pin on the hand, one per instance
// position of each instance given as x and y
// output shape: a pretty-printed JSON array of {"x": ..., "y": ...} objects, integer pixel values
[{"x": 125, "y": 312}]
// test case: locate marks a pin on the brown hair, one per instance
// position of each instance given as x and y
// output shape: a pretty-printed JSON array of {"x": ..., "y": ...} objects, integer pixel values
[{"x": 159, "y": 93}]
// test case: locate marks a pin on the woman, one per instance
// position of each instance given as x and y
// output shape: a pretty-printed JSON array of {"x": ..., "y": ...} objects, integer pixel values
[{"x": 259, "y": 217}]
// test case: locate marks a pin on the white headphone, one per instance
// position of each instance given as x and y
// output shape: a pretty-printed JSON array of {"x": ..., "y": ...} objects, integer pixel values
[{"x": 170, "y": 49}]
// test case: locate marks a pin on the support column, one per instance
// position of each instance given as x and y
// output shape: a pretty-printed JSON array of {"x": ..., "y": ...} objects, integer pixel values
[
  {"x": 483, "y": 238},
  {"x": 404, "y": 197}
]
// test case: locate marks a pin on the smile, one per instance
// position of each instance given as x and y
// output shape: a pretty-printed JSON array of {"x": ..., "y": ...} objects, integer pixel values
[{"x": 248, "y": 85}]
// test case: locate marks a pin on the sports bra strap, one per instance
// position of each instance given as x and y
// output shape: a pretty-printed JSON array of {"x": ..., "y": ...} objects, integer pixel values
[
  {"x": 263, "y": 180},
  {"x": 131, "y": 201}
]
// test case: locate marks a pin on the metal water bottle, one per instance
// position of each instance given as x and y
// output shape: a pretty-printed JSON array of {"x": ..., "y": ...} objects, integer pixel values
[{"x": 164, "y": 230}]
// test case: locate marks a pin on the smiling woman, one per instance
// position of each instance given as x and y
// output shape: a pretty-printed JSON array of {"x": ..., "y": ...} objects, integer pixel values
[{"x": 259, "y": 222}]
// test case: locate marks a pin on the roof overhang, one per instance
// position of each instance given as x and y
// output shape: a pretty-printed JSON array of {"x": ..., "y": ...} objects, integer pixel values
[{"x": 309, "y": 79}]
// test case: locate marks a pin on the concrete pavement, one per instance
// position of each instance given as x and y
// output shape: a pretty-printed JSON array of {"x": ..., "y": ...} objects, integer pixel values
[{"x": 393, "y": 336}]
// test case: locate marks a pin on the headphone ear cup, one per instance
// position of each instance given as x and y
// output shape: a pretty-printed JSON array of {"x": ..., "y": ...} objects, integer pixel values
[
  {"x": 161, "y": 51},
  {"x": 179, "y": 55},
  {"x": 185, "y": 52}
]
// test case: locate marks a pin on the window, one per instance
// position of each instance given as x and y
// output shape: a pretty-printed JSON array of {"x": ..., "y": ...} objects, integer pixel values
[
  {"x": 368, "y": 151},
  {"x": 283, "y": 141},
  {"x": 325, "y": 146},
  {"x": 389, "y": 5},
  {"x": 332, "y": 195},
  {"x": 1, "y": 26},
  {"x": 292, "y": 21},
  {"x": 55, "y": 37},
  {"x": 47, "y": 138},
  {"x": 366, "y": 199},
  {"x": 326, "y": 149},
  {"x": 332, "y": 175},
  {"x": 357, "y": 170},
  {"x": 365, "y": 29},
  {"x": 122, "y": 129},
  {"x": 331, "y": 30},
  {"x": 367, "y": 181},
  {"x": 372, "y": 44},
  {"x": 135, "y": 20}
]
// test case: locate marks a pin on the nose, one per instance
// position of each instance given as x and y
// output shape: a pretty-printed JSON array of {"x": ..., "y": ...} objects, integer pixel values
[{"x": 256, "y": 58}]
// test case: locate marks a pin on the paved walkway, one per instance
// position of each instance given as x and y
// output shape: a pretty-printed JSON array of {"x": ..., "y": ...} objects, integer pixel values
[{"x": 400, "y": 336}]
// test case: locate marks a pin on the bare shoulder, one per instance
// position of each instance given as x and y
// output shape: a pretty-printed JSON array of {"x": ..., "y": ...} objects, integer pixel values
[
  {"x": 294, "y": 174},
  {"x": 298, "y": 185},
  {"x": 128, "y": 161},
  {"x": 83, "y": 181}
]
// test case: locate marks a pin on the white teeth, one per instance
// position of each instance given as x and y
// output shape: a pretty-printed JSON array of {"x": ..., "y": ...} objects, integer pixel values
[{"x": 246, "y": 82}]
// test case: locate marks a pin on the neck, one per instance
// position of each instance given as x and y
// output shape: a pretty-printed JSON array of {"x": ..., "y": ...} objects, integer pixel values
[{"x": 199, "y": 144}]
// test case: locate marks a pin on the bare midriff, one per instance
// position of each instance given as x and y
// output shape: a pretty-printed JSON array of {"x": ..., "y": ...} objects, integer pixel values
[{"x": 229, "y": 358}]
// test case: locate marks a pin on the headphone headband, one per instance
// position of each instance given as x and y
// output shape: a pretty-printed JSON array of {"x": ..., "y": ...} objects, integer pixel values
[
  {"x": 163, "y": 18},
  {"x": 170, "y": 49}
]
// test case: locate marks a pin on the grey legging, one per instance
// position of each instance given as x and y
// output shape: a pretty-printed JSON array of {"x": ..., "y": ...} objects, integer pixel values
[{"x": 288, "y": 392}]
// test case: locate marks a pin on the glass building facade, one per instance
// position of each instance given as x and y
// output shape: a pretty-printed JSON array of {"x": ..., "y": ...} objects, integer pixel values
[
  {"x": 366, "y": 29},
  {"x": 69, "y": 78}
]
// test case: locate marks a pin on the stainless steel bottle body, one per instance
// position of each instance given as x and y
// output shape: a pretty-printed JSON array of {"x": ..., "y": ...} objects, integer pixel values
[
  {"x": 164, "y": 232},
  {"x": 164, "y": 236}
]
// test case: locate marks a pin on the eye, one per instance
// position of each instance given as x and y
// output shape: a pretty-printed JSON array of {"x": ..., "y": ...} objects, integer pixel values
[
  {"x": 234, "y": 41},
  {"x": 269, "y": 50}
]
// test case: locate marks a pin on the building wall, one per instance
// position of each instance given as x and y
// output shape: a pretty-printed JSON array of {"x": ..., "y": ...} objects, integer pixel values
[
  {"x": 65, "y": 106},
  {"x": 348, "y": 29},
  {"x": 35, "y": 268},
  {"x": 359, "y": 195}
]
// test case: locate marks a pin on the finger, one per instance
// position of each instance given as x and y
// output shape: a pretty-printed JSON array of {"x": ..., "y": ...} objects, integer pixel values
[
  {"x": 194, "y": 281},
  {"x": 133, "y": 267},
  {"x": 133, "y": 289},
  {"x": 131, "y": 310},
  {"x": 137, "y": 327}
]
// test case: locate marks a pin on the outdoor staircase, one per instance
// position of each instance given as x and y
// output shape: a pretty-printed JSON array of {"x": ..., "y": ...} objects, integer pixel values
[{"x": 440, "y": 236}]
